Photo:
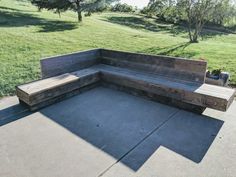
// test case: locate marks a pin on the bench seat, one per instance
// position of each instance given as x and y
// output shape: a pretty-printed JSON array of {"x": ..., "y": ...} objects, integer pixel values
[
  {"x": 204, "y": 95},
  {"x": 40, "y": 93},
  {"x": 175, "y": 81}
]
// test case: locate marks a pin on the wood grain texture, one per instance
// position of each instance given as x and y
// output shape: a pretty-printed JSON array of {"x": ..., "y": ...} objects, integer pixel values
[
  {"x": 158, "y": 98},
  {"x": 180, "y": 68},
  {"x": 169, "y": 79},
  {"x": 58, "y": 65},
  {"x": 62, "y": 97},
  {"x": 47, "y": 89},
  {"x": 203, "y": 95}
]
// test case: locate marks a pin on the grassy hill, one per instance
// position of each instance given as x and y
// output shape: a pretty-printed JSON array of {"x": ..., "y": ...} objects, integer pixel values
[{"x": 27, "y": 35}]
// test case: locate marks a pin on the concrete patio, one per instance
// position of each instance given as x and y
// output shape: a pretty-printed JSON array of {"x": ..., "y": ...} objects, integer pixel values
[{"x": 103, "y": 132}]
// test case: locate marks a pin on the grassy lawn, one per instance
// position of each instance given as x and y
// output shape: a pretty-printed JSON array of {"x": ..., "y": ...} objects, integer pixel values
[{"x": 27, "y": 35}]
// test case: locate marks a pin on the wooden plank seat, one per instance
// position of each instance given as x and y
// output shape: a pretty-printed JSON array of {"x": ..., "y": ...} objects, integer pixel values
[
  {"x": 203, "y": 95},
  {"x": 165, "y": 79},
  {"x": 44, "y": 92}
]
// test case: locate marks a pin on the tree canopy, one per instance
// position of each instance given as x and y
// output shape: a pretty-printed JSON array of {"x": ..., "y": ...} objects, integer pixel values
[
  {"x": 122, "y": 8},
  {"x": 194, "y": 12},
  {"x": 76, "y": 5}
]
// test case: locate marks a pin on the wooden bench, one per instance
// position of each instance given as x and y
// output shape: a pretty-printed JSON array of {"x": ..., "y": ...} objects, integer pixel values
[
  {"x": 173, "y": 81},
  {"x": 44, "y": 92}
]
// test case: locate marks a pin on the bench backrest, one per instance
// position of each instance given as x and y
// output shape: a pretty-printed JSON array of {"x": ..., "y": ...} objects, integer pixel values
[
  {"x": 57, "y": 65},
  {"x": 171, "y": 67}
]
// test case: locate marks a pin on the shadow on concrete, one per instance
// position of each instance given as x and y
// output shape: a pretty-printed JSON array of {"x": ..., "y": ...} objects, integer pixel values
[
  {"x": 131, "y": 129},
  {"x": 13, "y": 113},
  {"x": 126, "y": 127},
  {"x": 187, "y": 134},
  {"x": 19, "y": 19}
]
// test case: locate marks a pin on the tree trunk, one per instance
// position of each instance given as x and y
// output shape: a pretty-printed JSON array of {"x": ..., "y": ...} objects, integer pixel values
[
  {"x": 189, "y": 24},
  {"x": 59, "y": 13},
  {"x": 79, "y": 16},
  {"x": 195, "y": 38},
  {"x": 79, "y": 11},
  {"x": 196, "y": 33},
  {"x": 189, "y": 32}
]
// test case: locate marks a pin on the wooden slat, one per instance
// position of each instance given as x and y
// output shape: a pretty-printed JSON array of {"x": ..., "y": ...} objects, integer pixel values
[
  {"x": 158, "y": 70},
  {"x": 45, "y": 84},
  {"x": 180, "y": 68},
  {"x": 169, "y": 77},
  {"x": 46, "y": 89},
  {"x": 57, "y": 65},
  {"x": 155, "y": 97},
  {"x": 165, "y": 61},
  {"x": 62, "y": 97},
  {"x": 204, "y": 95}
]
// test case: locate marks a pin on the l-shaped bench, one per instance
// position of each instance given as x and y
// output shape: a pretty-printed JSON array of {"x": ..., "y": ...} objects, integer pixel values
[{"x": 170, "y": 80}]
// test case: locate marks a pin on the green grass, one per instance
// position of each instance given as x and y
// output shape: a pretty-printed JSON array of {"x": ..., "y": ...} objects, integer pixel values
[{"x": 27, "y": 35}]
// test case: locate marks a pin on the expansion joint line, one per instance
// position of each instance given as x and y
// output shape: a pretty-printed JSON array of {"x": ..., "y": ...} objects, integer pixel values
[{"x": 140, "y": 142}]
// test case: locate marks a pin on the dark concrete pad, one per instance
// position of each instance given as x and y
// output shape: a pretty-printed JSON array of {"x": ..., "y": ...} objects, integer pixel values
[
  {"x": 81, "y": 136},
  {"x": 108, "y": 133},
  {"x": 11, "y": 110},
  {"x": 186, "y": 145}
]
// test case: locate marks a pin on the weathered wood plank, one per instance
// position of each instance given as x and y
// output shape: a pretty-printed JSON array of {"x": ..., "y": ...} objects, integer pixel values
[
  {"x": 62, "y": 97},
  {"x": 165, "y": 61},
  {"x": 45, "y": 84},
  {"x": 154, "y": 97},
  {"x": 68, "y": 63},
  {"x": 47, "y": 89},
  {"x": 158, "y": 70},
  {"x": 170, "y": 79},
  {"x": 185, "y": 69},
  {"x": 202, "y": 95}
]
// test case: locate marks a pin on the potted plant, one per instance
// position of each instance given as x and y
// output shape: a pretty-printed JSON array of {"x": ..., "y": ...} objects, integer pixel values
[{"x": 217, "y": 77}]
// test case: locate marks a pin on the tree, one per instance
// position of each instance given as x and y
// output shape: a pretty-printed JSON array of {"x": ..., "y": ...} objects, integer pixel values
[
  {"x": 197, "y": 12},
  {"x": 194, "y": 13},
  {"x": 223, "y": 11},
  {"x": 165, "y": 10},
  {"x": 122, "y": 8},
  {"x": 76, "y": 5}
]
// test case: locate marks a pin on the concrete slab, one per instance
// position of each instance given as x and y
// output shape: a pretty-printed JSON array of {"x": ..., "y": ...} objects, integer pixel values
[
  {"x": 108, "y": 133},
  {"x": 9, "y": 106},
  {"x": 187, "y": 145},
  {"x": 81, "y": 136}
]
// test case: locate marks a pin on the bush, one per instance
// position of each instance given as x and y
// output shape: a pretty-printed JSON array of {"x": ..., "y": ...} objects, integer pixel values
[{"x": 122, "y": 8}]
